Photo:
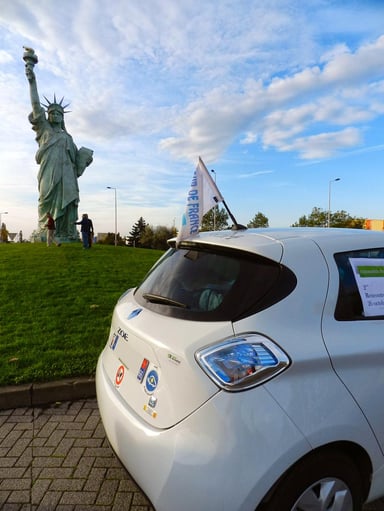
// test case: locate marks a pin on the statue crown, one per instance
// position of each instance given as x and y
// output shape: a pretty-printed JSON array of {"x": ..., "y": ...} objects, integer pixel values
[{"x": 55, "y": 105}]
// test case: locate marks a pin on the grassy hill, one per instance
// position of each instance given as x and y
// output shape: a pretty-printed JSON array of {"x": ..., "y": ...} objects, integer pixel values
[{"x": 56, "y": 306}]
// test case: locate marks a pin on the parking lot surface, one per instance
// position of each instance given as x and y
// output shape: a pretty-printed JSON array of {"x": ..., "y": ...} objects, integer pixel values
[{"x": 56, "y": 458}]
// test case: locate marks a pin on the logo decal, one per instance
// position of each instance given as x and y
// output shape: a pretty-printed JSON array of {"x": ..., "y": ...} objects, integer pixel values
[
  {"x": 174, "y": 359},
  {"x": 123, "y": 334},
  {"x": 134, "y": 313},
  {"x": 119, "y": 375},
  {"x": 151, "y": 381}
]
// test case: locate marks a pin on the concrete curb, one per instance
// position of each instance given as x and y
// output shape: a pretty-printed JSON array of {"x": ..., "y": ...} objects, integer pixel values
[{"x": 41, "y": 394}]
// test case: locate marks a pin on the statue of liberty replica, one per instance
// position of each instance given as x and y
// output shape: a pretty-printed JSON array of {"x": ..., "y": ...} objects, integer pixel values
[{"x": 61, "y": 162}]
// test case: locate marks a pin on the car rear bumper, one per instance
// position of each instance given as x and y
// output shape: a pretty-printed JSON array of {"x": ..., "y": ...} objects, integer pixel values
[{"x": 187, "y": 466}]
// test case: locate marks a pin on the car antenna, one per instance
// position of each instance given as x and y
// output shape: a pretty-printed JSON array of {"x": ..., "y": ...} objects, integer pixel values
[{"x": 235, "y": 226}]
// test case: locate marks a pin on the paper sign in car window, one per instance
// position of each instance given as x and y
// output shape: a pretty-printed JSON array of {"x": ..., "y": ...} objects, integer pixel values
[{"x": 369, "y": 275}]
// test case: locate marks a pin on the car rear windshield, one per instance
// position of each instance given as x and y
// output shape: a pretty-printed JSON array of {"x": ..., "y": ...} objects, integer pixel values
[{"x": 213, "y": 284}]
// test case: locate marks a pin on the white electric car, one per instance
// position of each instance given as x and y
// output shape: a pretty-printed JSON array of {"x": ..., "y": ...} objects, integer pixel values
[{"x": 246, "y": 372}]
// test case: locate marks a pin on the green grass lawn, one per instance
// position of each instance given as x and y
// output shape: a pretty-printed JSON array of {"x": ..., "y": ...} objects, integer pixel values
[{"x": 56, "y": 306}]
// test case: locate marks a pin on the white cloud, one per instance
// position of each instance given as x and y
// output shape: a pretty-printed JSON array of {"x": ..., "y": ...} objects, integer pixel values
[
  {"x": 153, "y": 85},
  {"x": 214, "y": 120},
  {"x": 324, "y": 145}
]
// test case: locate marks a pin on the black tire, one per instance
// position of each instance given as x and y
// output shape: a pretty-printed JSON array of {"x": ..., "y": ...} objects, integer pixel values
[{"x": 325, "y": 481}]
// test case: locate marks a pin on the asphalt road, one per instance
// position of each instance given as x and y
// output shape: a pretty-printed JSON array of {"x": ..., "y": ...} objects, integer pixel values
[{"x": 56, "y": 458}]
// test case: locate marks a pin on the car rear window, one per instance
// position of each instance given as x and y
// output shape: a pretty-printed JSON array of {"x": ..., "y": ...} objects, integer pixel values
[
  {"x": 361, "y": 285},
  {"x": 213, "y": 284}
]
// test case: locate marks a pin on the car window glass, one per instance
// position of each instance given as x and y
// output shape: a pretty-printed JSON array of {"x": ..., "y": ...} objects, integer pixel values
[
  {"x": 361, "y": 285},
  {"x": 212, "y": 285}
]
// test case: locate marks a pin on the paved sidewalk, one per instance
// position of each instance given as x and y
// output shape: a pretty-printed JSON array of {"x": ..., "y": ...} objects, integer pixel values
[{"x": 56, "y": 458}]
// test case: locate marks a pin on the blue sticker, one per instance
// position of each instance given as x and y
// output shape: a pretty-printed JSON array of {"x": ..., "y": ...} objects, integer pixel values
[
  {"x": 151, "y": 381},
  {"x": 134, "y": 313},
  {"x": 114, "y": 340}
]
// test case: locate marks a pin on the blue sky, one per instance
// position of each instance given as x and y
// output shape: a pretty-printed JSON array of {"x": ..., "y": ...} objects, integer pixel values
[{"x": 279, "y": 98}]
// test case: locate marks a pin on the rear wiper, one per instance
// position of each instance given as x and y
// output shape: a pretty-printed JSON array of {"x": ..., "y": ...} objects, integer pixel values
[{"x": 163, "y": 300}]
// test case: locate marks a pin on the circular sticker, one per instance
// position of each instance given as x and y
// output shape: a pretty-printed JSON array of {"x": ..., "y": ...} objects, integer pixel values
[
  {"x": 119, "y": 375},
  {"x": 151, "y": 381}
]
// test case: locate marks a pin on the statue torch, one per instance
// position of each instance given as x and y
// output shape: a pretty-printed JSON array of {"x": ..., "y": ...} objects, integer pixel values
[{"x": 30, "y": 57}]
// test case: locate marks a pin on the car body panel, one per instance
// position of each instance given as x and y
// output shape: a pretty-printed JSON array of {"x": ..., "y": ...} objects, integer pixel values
[
  {"x": 186, "y": 466},
  {"x": 190, "y": 445},
  {"x": 348, "y": 341},
  {"x": 301, "y": 389},
  {"x": 179, "y": 388}
]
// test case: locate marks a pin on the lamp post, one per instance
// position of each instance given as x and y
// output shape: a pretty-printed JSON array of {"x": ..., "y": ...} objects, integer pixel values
[
  {"x": 214, "y": 208},
  {"x": 329, "y": 200},
  {"x": 113, "y": 188}
]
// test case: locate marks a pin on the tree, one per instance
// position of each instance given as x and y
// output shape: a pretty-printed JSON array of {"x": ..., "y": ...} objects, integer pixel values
[
  {"x": 161, "y": 236},
  {"x": 109, "y": 239},
  {"x": 343, "y": 219},
  {"x": 156, "y": 237},
  {"x": 215, "y": 220},
  {"x": 319, "y": 218},
  {"x": 137, "y": 232},
  {"x": 259, "y": 220}
]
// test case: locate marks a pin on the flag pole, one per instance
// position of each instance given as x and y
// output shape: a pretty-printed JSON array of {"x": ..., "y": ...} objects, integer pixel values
[{"x": 236, "y": 226}]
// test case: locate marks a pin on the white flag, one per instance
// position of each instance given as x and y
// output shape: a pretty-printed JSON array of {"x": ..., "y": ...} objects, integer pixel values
[{"x": 202, "y": 197}]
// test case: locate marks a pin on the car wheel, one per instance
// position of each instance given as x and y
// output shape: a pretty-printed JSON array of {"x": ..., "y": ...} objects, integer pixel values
[{"x": 322, "y": 482}]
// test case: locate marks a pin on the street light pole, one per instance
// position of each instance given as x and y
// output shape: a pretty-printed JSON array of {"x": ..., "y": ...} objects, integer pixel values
[
  {"x": 115, "y": 189},
  {"x": 214, "y": 208},
  {"x": 329, "y": 200}
]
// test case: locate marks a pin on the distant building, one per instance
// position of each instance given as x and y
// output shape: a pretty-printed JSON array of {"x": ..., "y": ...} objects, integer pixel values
[{"x": 374, "y": 225}]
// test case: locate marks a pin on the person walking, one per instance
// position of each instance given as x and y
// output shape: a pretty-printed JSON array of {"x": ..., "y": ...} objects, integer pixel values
[
  {"x": 51, "y": 230},
  {"x": 86, "y": 230},
  {"x": 4, "y": 233}
]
